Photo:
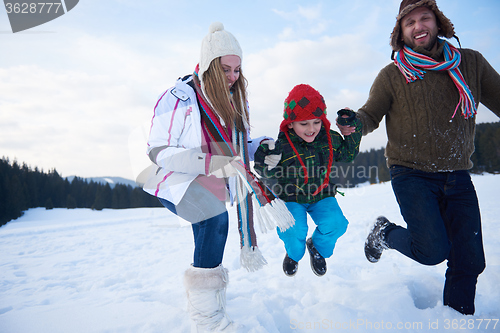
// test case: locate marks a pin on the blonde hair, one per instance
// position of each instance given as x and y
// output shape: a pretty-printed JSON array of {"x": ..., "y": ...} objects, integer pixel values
[{"x": 232, "y": 108}]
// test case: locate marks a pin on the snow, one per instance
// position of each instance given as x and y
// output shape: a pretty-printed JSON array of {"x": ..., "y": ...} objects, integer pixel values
[
  {"x": 109, "y": 180},
  {"x": 87, "y": 271}
]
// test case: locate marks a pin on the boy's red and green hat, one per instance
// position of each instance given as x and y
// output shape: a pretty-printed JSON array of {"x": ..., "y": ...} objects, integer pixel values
[{"x": 304, "y": 103}]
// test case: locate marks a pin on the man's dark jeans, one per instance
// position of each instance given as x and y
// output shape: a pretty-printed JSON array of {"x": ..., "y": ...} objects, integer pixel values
[{"x": 441, "y": 211}]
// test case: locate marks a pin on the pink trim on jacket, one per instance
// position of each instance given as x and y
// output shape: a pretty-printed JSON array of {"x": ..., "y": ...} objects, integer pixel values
[
  {"x": 163, "y": 180},
  {"x": 172, "y": 123}
]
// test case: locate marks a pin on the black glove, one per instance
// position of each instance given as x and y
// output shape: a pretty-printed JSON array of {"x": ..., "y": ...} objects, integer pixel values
[{"x": 346, "y": 121}]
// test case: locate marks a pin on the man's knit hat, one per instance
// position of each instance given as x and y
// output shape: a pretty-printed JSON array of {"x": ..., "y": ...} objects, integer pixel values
[
  {"x": 304, "y": 103},
  {"x": 217, "y": 43},
  {"x": 444, "y": 24}
]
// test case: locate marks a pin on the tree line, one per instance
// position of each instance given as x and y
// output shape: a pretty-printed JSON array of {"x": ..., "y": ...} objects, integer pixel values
[{"x": 22, "y": 187}]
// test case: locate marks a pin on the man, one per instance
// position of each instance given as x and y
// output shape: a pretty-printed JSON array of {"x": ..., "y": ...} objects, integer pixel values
[{"x": 429, "y": 96}]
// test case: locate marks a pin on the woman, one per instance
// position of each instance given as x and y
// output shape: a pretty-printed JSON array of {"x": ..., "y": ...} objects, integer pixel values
[{"x": 198, "y": 140}]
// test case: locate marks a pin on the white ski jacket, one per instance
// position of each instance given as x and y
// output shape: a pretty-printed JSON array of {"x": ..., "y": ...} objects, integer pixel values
[{"x": 175, "y": 141}]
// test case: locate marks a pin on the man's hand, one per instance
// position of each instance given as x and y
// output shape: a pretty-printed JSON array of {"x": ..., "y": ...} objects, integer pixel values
[{"x": 345, "y": 129}]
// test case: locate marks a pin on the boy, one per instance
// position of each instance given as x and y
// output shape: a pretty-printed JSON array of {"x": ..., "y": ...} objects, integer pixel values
[{"x": 300, "y": 163}]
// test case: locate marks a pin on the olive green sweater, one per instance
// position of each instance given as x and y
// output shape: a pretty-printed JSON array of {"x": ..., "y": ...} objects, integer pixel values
[{"x": 420, "y": 129}]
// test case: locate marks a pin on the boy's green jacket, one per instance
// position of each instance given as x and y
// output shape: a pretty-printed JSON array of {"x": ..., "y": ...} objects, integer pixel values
[{"x": 287, "y": 179}]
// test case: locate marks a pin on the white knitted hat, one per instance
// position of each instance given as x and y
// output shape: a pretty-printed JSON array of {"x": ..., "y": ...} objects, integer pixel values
[{"x": 217, "y": 43}]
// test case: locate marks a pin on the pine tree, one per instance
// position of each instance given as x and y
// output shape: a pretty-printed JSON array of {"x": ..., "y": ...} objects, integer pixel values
[
  {"x": 49, "y": 204},
  {"x": 103, "y": 197},
  {"x": 70, "y": 202}
]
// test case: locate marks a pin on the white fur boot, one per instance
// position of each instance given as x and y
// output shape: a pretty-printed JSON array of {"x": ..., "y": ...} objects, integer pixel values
[{"x": 206, "y": 293}]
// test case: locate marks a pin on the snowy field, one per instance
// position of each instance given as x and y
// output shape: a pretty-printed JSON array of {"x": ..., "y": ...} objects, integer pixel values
[{"x": 84, "y": 271}]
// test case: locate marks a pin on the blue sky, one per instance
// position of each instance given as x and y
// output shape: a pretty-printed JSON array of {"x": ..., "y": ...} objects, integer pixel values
[{"x": 77, "y": 93}]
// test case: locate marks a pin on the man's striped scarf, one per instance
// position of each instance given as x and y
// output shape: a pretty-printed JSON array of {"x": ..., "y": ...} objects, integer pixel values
[
  {"x": 413, "y": 65},
  {"x": 271, "y": 211}
]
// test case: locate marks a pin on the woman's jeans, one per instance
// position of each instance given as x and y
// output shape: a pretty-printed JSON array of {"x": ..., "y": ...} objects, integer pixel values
[
  {"x": 330, "y": 225},
  {"x": 210, "y": 222},
  {"x": 441, "y": 211}
]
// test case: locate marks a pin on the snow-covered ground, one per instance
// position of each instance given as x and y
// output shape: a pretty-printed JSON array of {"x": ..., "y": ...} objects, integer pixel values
[{"x": 87, "y": 271}]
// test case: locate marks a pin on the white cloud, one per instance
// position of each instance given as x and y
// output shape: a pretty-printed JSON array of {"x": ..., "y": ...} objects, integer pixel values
[
  {"x": 332, "y": 65},
  {"x": 303, "y": 21},
  {"x": 78, "y": 101},
  {"x": 287, "y": 33},
  {"x": 310, "y": 13},
  {"x": 87, "y": 107}
]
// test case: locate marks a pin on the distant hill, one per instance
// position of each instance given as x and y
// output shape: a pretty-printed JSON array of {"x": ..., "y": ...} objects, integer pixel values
[{"x": 112, "y": 181}]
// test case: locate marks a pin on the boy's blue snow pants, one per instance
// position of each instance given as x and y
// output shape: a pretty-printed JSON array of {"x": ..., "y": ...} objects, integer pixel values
[{"x": 330, "y": 225}]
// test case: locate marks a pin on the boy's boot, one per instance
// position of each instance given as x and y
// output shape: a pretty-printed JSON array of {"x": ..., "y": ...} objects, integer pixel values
[
  {"x": 318, "y": 263},
  {"x": 290, "y": 266}
]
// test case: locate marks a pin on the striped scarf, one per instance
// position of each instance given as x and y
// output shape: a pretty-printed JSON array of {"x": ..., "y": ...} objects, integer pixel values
[
  {"x": 271, "y": 211},
  {"x": 412, "y": 65}
]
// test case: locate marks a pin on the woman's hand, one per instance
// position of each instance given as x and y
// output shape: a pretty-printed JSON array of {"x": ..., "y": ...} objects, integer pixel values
[{"x": 221, "y": 167}]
